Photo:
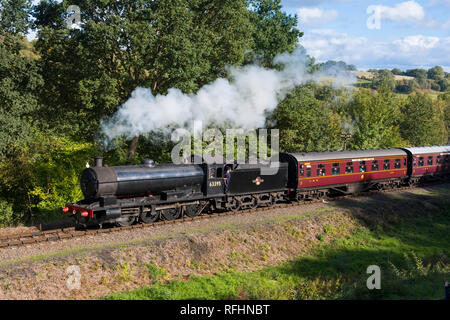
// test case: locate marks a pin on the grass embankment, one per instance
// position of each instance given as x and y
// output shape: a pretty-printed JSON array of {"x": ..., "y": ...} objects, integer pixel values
[{"x": 408, "y": 237}]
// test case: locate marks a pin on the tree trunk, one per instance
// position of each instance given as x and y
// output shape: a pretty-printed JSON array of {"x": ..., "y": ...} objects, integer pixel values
[{"x": 132, "y": 149}]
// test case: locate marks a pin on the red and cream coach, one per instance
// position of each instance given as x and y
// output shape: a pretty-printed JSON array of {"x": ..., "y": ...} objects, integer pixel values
[
  {"x": 428, "y": 162},
  {"x": 315, "y": 174}
]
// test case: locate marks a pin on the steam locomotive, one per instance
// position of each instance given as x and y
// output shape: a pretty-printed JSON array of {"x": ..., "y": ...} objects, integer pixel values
[{"x": 124, "y": 195}]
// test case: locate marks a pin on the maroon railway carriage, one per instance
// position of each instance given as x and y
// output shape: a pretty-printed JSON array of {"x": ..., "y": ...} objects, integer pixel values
[
  {"x": 428, "y": 162},
  {"x": 313, "y": 174}
]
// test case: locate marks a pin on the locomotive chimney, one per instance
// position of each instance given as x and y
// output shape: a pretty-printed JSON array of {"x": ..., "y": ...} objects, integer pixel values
[
  {"x": 98, "y": 161},
  {"x": 148, "y": 162}
]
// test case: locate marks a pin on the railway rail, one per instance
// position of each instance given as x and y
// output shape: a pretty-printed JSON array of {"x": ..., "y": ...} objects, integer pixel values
[{"x": 30, "y": 238}]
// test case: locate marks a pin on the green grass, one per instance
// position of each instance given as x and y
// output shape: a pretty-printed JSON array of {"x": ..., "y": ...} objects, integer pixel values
[{"x": 413, "y": 255}]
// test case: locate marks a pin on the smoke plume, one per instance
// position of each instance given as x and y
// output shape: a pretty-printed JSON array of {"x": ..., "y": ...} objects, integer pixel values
[{"x": 241, "y": 101}]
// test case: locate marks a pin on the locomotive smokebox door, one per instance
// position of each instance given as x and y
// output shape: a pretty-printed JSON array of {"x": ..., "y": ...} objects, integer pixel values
[{"x": 214, "y": 179}]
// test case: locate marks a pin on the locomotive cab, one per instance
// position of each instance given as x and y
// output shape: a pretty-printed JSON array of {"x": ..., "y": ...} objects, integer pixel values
[{"x": 215, "y": 184}]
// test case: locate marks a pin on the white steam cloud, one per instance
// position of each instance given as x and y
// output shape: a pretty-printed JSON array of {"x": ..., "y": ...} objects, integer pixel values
[{"x": 241, "y": 102}]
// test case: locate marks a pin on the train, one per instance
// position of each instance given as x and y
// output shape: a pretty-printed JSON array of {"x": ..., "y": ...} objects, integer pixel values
[{"x": 124, "y": 195}]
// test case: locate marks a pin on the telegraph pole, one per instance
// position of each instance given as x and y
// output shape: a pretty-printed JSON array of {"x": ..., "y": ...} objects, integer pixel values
[{"x": 345, "y": 136}]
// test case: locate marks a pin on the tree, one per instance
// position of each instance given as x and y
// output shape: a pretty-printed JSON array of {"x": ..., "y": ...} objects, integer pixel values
[
  {"x": 133, "y": 43},
  {"x": 435, "y": 86},
  {"x": 444, "y": 84},
  {"x": 422, "y": 121},
  {"x": 20, "y": 84},
  {"x": 307, "y": 123},
  {"x": 444, "y": 100},
  {"x": 385, "y": 77},
  {"x": 20, "y": 80},
  {"x": 374, "y": 117},
  {"x": 417, "y": 73},
  {"x": 337, "y": 64},
  {"x": 14, "y": 16},
  {"x": 397, "y": 71},
  {"x": 274, "y": 31},
  {"x": 435, "y": 73},
  {"x": 407, "y": 86}
]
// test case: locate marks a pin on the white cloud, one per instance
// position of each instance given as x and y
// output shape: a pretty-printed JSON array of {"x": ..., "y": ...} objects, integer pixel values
[
  {"x": 411, "y": 51},
  {"x": 418, "y": 42},
  {"x": 408, "y": 10},
  {"x": 315, "y": 16}
]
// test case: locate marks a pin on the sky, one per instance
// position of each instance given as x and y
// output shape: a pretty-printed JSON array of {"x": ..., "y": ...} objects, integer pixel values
[{"x": 375, "y": 33}]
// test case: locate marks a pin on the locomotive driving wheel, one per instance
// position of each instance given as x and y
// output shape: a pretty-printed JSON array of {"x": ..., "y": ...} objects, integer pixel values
[
  {"x": 254, "y": 203},
  {"x": 194, "y": 210},
  {"x": 234, "y": 205},
  {"x": 125, "y": 221},
  {"x": 149, "y": 216},
  {"x": 171, "y": 214}
]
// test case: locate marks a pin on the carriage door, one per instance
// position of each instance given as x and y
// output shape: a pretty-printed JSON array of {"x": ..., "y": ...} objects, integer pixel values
[{"x": 304, "y": 172}]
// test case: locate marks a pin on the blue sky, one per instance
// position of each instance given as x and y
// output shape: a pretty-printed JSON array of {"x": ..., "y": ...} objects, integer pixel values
[{"x": 375, "y": 33}]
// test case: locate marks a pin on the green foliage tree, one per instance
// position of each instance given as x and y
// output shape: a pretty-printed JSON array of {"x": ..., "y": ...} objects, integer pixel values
[
  {"x": 435, "y": 86},
  {"x": 417, "y": 73},
  {"x": 406, "y": 86},
  {"x": 20, "y": 84},
  {"x": 444, "y": 84},
  {"x": 43, "y": 175},
  {"x": 374, "y": 117},
  {"x": 383, "y": 77},
  {"x": 307, "y": 123},
  {"x": 337, "y": 64},
  {"x": 435, "y": 73},
  {"x": 422, "y": 121},
  {"x": 14, "y": 16},
  {"x": 397, "y": 72},
  {"x": 444, "y": 101},
  {"x": 20, "y": 79},
  {"x": 274, "y": 31}
]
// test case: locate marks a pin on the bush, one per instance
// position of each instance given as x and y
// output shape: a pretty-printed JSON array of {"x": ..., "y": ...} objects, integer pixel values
[
  {"x": 407, "y": 86},
  {"x": 435, "y": 86},
  {"x": 6, "y": 214},
  {"x": 444, "y": 84},
  {"x": 42, "y": 177}
]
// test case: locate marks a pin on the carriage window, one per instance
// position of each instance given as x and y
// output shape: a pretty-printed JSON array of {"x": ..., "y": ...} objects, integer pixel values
[
  {"x": 308, "y": 172},
  {"x": 212, "y": 173},
  {"x": 375, "y": 165},
  {"x": 438, "y": 160},
  {"x": 386, "y": 165},
  {"x": 421, "y": 162},
  {"x": 404, "y": 162},
  {"x": 349, "y": 167},
  {"x": 302, "y": 170},
  {"x": 335, "y": 170},
  {"x": 321, "y": 170},
  {"x": 397, "y": 164},
  {"x": 362, "y": 166},
  {"x": 430, "y": 161}
]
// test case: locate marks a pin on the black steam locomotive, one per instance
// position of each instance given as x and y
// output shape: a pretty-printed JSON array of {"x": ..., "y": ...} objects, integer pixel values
[{"x": 124, "y": 195}]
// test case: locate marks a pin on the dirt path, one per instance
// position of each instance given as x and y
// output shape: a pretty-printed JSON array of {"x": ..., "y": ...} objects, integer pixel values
[{"x": 127, "y": 260}]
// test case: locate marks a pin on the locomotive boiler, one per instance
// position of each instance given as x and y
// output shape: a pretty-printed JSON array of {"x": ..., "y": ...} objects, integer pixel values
[{"x": 104, "y": 181}]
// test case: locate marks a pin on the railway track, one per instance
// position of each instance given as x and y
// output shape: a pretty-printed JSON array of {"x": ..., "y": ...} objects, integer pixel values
[{"x": 29, "y": 238}]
